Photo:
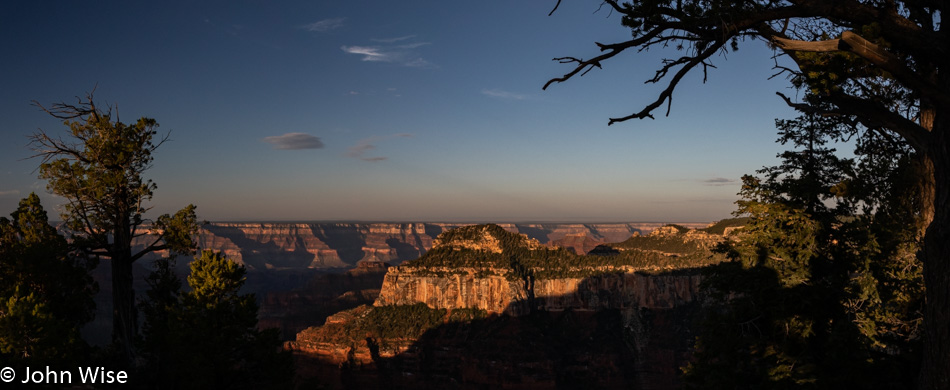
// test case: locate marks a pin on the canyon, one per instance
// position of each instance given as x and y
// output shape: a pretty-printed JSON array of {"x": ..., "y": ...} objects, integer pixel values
[
  {"x": 489, "y": 308},
  {"x": 295, "y": 268},
  {"x": 327, "y": 245},
  {"x": 507, "y": 305}
]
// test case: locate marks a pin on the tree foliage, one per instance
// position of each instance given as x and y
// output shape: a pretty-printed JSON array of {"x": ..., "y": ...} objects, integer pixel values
[
  {"x": 208, "y": 337},
  {"x": 45, "y": 290},
  {"x": 824, "y": 289},
  {"x": 879, "y": 66},
  {"x": 99, "y": 170}
]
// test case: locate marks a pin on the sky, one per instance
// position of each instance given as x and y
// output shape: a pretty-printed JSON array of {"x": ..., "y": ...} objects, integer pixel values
[{"x": 388, "y": 111}]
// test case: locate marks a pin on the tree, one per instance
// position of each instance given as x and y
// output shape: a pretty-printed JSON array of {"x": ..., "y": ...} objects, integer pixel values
[
  {"x": 881, "y": 65},
  {"x": 823, "y": 289},
  {"x": 100, "y": 174},
  {"x": 208, "y": 337},
  {"x": 45, "y": 290}
]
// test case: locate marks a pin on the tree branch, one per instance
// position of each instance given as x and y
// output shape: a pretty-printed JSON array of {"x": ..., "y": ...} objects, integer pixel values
[
  {"x": 874, "y": 115},
  {"x": 667, "y": 94}
]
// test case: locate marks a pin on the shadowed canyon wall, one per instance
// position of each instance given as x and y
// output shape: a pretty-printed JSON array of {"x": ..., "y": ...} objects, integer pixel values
[
  {"x": 342, "y": 245},
  {"x": 515, "y": 317}
]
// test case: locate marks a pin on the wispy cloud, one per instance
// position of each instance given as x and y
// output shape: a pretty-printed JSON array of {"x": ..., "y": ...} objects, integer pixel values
[
  {"x": 369, "y": 53},
  {"x": 719, "y": 181},
  {"x": 393, "y": 40},
  {"x": 9, "y": 192},
  {"x": 420, "y": 63},
  {"x": 500, "y": 94},
  {"x": 324, "y": 25},
  {"x": 413, "y": 45},
  {"x": 366, "y": 145},
  {"x": 403, "y": 53},
  {"x": 294, "y": 141}
]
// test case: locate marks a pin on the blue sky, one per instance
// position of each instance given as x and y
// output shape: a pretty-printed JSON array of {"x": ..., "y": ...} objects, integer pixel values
[{"x": 388, "y": 111}]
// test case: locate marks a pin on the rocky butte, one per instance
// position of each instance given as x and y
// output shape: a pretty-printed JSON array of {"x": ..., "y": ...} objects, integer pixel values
[
  {"x": 489, "y": 308},
  {"x": 342, "y": 245}
]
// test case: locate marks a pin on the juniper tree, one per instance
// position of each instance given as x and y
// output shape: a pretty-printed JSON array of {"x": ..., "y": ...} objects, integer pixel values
[
  {"x": 99, "y": 169},
  {"x": 45, "y": 290},
  {"x": 880, "y": 64},
  {"x": 207, "y": 337}
]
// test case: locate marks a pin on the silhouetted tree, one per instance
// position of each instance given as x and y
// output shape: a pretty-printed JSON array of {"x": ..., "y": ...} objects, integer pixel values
[
  {"x": 99, "y": 171},
  {"x": 878, "y": 64},
  {"x": 45, "y": 291},
  {"x": 823, "y": 289},
  {"x": 207, "y": 338}
]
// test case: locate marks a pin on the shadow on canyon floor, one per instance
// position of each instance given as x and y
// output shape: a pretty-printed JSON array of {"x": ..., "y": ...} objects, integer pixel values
[{"x": 613, "y": 348}]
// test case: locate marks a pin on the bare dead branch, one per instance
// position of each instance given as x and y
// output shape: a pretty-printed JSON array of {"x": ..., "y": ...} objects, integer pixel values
[
  {"x": 614, "y": 49},
  {"x": 555, "y": 8},
  {"x": 786, "y": 44},
  {"x": 667, "y": 94}
]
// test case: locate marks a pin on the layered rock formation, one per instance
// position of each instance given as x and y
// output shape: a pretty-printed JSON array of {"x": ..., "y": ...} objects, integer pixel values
[
  {"x": 501, "y": 310},
  {"x": 342, "y": 245},
  {"x": 496, "y": 292}
]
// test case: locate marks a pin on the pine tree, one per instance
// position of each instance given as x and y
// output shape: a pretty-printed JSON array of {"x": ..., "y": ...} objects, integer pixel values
[
  {"x": 45, "y": 291},
  {"x": 208, "y": 337},
  {"x": 823, "y": 289}
]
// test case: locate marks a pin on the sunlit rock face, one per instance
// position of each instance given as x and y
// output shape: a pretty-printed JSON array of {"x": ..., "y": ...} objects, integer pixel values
[
  {"x": 593, "y": 325},
  {"x": 500, "y": 288},
  {"x": 342, "y": 245},
  {"x": 495, "y": 292}
]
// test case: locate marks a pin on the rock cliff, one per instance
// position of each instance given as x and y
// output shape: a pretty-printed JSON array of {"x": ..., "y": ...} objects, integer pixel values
[
  {"x": 261, "y": 245},
  {"x": 496, "y": 292},
  {"x": 485, "y": 307}
]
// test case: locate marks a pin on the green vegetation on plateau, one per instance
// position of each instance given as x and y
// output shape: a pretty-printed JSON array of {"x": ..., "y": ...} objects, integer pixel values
[
  {"x": 666, "y": 244},
  {"x": 471, "y": 247},
  {"x": 388, "y": 323},
  {"x": 720, "y": 227}
]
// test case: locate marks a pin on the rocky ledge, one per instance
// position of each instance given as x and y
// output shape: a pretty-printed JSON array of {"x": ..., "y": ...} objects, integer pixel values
[{"x": 486, "y": 307}]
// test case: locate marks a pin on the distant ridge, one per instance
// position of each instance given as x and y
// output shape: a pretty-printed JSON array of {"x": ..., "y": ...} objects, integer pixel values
[{"x": 340, "y": 244}]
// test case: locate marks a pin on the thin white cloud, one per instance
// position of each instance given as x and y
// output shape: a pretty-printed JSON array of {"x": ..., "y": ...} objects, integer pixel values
[
  {"x": 393, "y": 40},
  {"x": 324, "y": 25},
  {"x": 413, "y": 45},
  {"x": 404, "y": 53},
  {"x": 420, "y": 63},
  {"x": 719, "y": 181},
  {"x": 369, "y": 53},
  {"x": 366, "y": 145},
  {"x": 500, "y": 94},
  {"x": 9, "y": 192},
  {"x": 294, "y": 141}
]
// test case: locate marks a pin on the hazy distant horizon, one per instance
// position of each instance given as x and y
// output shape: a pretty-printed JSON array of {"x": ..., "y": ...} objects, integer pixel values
[{"x": 475, "y": 222}]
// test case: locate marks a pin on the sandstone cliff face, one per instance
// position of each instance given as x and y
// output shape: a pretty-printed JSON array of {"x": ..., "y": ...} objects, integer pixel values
[
  {"x": 610, "y": 326},
  {"x": 496, "y": 292},
  {"x": 342, "y": 245},
  {"x": 465, "y": 288}
]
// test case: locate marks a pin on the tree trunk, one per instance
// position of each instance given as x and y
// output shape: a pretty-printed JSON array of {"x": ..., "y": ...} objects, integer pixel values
[
  {"x": 123, "y": 322},
  {"x": 935, "y": 367}
]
